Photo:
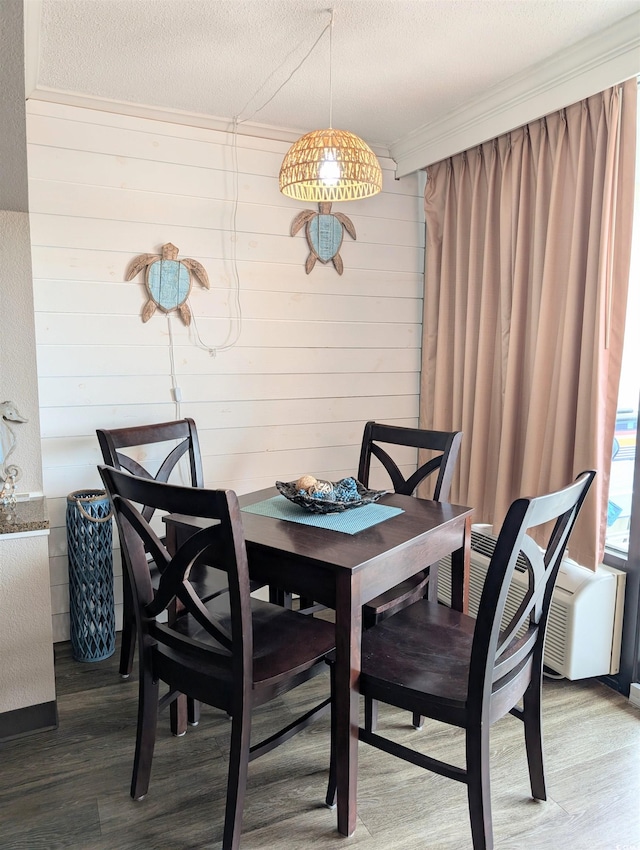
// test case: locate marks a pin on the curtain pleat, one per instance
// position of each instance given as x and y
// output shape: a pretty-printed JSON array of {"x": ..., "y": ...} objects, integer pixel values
[{"x": 528, "y": 248}]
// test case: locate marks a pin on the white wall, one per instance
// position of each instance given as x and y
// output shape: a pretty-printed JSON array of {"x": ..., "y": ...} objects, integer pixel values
[
  {"x": 317, "y": 354},
  {"x": 26, "y": 657},
  {"x": 18, "y": 381}
]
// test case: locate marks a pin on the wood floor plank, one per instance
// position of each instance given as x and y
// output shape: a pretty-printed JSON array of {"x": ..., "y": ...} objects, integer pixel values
[{"x": 70, "y": 788}]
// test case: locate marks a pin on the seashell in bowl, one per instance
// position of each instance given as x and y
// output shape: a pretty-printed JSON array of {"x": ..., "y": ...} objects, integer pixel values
[{"x": 326, "y": 497}]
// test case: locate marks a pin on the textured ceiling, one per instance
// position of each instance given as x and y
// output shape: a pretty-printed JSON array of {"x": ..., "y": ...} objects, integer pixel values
[{"x": 397, "y": 64}]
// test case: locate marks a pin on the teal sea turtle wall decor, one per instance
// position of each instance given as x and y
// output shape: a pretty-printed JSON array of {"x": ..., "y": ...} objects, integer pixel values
[
  {"x": 168, "y": 281},
  {"x": 324, "y": 231}
]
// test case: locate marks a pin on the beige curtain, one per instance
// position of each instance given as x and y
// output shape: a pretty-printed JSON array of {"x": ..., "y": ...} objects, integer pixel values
[{"x": 527, "y": 265}]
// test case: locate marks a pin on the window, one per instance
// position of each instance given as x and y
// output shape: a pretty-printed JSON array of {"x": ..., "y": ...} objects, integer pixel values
[
  {"x": 624, "y": 441},
  {"x": 623, "y": 519}
]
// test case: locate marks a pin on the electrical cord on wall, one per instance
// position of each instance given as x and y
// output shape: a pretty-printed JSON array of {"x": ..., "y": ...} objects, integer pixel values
[
  {"x": 176, "y": 392},
  {"x": 183, "y": 471},
  {"x": 232, "y": 337}
]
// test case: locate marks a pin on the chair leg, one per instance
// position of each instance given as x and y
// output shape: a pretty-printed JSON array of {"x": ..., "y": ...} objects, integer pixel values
[
  {"x": 178, "y": 716},
  {"x": 146, "y": 733},
  {"x": 332, "y": 787},
  {"x": 280, "y": 597},
  {"x": 193, "y": 711},
  {"x": 479, "y": 786},
  {"x": 128, "y": 637},
  {"x": 417, "y": 720},
  {"x": 237, "y": 781},
  {"x": 287, "y": 600},
  {"x": 370, "y": 714},
  {"x": 432, "y": 586},
  {"x": 532, "y": 717}
]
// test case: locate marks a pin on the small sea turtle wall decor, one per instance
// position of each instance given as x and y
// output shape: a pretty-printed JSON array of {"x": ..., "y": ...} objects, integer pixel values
[
  {"x": 324, "y": 231},
  {"x": 168, "y": 281}
]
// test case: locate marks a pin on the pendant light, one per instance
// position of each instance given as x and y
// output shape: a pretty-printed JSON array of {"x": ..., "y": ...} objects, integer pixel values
[{"x": 330, "y": 165}]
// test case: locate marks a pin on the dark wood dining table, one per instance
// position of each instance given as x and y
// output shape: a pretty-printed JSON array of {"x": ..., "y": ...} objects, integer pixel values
[{"x": 343, "y": 571}]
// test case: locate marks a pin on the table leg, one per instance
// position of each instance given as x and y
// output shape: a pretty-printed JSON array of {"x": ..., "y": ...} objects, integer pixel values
[
  {"x": 348, "y": 634},
  {"x": 460, "y": 568}
]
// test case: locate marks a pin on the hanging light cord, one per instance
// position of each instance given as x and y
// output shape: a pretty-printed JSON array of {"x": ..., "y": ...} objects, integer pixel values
[
  {"x": 237, "y": 119},
  {"x": 232, "y": 338},
  {"x": 331, "y": 70}
]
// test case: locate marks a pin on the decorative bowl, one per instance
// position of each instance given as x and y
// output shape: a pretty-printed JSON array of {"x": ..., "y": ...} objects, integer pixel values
[{"x": 323, "y": 503}]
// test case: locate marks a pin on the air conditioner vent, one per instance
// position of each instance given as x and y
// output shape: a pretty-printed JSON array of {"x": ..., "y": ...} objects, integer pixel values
[
  {"x": 485, "y": 544},
  {"x": 584, "y": 629},
  {"x": 556, "y": 639}
]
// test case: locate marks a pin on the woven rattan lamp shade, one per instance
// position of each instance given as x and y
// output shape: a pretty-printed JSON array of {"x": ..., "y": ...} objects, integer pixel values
[{"x": 330, "y": 165}]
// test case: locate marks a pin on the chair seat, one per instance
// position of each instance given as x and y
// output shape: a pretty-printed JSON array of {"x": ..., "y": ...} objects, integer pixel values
[
  {"x": 285, "y": 642},
  {"x": 424, "y": 652}
]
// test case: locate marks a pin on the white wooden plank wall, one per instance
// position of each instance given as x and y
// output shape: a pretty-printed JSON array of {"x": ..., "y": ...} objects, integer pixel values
[{"x": 316, "y": 357}]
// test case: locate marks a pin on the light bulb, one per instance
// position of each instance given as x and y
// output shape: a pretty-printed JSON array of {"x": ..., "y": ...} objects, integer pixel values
[{"x": 329, "y": 171}]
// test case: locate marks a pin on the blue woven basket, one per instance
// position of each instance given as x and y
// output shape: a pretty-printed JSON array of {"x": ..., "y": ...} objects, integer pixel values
[{"x": 90, "y": 550}]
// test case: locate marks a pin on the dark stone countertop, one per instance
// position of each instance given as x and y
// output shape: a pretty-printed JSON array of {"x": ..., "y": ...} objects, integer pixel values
[{"x": 26, "y": 515}]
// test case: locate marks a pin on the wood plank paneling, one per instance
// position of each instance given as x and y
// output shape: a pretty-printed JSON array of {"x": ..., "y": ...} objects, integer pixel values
[
  {"x": 57, "y": 361},
  {"x": 102, "y": 265},
  {"x": 126, "y": 389},
  {"x": 49, "y": 198},
  {"x": 94, "y": 329},
  {"x": 312, "y": 357},
  {"x": 184, "y": 179},
  {"x": 80, "y": 297},
  {"x": 204, "y": 243},
  {"x": 82, "y": 421}
]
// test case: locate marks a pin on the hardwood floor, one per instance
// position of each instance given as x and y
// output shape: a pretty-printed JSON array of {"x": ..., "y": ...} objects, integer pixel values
[{"x": 70, "y": 788}]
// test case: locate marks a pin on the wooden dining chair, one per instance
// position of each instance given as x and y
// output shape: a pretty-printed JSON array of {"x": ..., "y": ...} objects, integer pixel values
[
  {"x": 233, "y": 652},
  {"x": 444, "y": 447},
  {"x": 138, "y": 450},
  {"x": 440, "y": 663}
]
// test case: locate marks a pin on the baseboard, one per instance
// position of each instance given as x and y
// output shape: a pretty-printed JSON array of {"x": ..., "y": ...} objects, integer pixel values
[
  {"x": 634, "y": 694},
  {"x": 29, "y": 720}
]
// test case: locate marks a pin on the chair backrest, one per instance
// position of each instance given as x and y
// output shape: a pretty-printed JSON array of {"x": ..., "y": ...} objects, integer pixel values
[
  {"x": 229, "y": 641},
  {"x": 180, "y": 437},
  {"x": 506, "y": 654},
  {"x": 445, "y": 442}
]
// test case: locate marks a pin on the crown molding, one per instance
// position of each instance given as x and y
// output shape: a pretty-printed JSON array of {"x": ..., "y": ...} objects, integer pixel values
[
  {"x": 157, "y": 113},
  {"x": 590, "y": 66},
  {"x": 174, "y": 116}
]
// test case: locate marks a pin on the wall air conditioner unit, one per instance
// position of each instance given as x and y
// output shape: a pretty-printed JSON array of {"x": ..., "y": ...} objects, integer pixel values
[{"x": 585, "y": 618}]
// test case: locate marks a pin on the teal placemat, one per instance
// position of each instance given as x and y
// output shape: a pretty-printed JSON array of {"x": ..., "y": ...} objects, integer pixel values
[{"x": 350, "y": 521}]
